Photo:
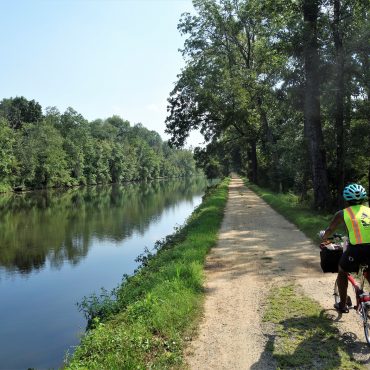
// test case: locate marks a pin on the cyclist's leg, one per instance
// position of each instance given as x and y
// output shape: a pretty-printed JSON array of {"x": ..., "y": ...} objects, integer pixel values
[
  {"x": 365, "y": 259},
  {"x": 347, "y": 263},
  {"x": 342, "y": 280}
]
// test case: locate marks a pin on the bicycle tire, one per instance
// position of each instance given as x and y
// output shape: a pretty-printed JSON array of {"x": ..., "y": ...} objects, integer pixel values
[{"x": 365, "y": 312}]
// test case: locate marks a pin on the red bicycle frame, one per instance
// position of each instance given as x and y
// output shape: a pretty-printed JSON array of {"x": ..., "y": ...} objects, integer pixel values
[{"x": 360, "y": 296}]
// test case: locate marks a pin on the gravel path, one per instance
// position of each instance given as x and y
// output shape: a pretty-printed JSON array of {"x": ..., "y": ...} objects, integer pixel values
[{"x": 257, "y": 249}]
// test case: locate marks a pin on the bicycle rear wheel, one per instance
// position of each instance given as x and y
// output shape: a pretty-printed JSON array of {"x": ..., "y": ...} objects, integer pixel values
[{"x": 366, "y": 318}]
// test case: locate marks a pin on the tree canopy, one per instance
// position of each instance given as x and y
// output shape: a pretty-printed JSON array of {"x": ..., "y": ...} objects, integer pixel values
[
  {"x": 64, "y": 149},
  {"x": 280, "y": 91}
]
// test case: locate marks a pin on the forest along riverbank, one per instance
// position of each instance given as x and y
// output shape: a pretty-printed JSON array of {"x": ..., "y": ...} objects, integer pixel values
[
  {"x": 156, "y": 309},
  {"x": 84, "y": 238},
  {"x": 258, "y": 253}
]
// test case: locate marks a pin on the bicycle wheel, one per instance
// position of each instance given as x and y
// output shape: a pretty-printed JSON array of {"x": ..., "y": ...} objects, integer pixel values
[{"x": 365, "y": 313}]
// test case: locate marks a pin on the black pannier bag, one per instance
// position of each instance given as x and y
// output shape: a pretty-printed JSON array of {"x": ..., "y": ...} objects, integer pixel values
[{"x": 329, "y": 258}]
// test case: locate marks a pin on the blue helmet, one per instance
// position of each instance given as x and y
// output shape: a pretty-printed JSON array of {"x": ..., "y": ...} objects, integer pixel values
[{"x": 354, "y": 192}]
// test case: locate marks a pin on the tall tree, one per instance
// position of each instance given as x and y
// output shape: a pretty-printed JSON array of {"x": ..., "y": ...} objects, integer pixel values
[
  {"x": 339, "y": 97},
  {"x": 312, "y": 112}
]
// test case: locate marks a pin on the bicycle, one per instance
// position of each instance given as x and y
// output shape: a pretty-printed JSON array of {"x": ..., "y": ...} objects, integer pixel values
[
  {"x": 362, "y": 306},
  {"x": 333, "y": 249}
]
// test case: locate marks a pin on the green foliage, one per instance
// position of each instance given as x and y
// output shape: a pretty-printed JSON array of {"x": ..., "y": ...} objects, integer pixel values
[
  {"x": 247, "y": 83},
  {"x": 41, "y": 157},
  {"x": 57, "y": 150},
  {"x": 19, "y": 110},
  {"x": 213, "y": 160},
  {"x": 8, "y": 162},
  {"x": 303, "y": 336},
  {"x": 153, "y": 311}
]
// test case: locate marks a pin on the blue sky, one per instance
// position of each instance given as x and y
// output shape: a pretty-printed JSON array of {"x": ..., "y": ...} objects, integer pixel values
[{"x": 101, "y": 57}]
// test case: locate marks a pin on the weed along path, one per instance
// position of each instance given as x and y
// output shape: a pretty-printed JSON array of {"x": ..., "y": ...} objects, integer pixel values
[{"x": 258, "y": 250}]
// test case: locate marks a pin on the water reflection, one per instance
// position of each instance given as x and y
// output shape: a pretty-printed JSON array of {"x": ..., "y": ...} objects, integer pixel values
[
  {"x": 59, "y": 226},
  {"x": 58, "y": 247}
]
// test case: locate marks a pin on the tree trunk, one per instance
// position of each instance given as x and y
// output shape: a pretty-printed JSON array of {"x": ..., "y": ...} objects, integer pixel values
[
  {"x": 270, "y": 150},
  {"x": 312, "y": 119},
  {"x": 252, "y": 162},
  {"x": 339, "y": 101}
]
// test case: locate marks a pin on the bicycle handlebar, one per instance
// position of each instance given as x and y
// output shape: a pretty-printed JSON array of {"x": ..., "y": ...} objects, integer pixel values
[{"x": 340, "y": 236}]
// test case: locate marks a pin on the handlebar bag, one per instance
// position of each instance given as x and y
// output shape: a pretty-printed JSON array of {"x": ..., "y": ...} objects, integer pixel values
[{"x": 329, "y": 259}]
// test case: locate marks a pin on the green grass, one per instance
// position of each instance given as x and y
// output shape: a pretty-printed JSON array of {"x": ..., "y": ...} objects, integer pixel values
[
  {"x": 155, "y": 310},
  {"x": 302, "y": 336},
  {"x": 287, "y": 204}
]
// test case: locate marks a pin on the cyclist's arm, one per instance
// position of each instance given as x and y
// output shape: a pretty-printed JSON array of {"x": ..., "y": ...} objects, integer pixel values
[{"x": 335, "y": 222}]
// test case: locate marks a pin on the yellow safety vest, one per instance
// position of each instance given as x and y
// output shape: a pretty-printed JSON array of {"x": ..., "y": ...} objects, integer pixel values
[{"x": 357, "y": 219}]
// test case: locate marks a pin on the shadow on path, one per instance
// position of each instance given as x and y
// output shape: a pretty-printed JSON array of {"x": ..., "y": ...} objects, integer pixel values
[{"x": 313, "y": 342}]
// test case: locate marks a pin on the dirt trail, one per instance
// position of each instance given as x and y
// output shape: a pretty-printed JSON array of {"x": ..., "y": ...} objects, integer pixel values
[{"x": 257, "y": 249}]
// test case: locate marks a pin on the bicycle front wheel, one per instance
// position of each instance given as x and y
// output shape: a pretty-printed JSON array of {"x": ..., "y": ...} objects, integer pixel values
[{"x": 366, "y": 318}]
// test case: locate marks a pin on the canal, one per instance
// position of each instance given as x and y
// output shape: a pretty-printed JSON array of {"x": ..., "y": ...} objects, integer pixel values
[{"x": 58, "y": 246}]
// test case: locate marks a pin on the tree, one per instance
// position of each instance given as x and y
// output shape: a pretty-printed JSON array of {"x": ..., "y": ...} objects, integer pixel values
[
  {"x": 41, "y": 157},
  {"x": 8, "y": 163},
  {"x": 19, "y": 110},
  {"x": 67, "y": 150},
  {"x": 312, "y": 110},
  {"x": 259, "y": 74}
]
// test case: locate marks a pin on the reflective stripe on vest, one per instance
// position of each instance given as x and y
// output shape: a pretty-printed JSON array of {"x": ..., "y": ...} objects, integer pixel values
[{"x": 357, "y": 219}]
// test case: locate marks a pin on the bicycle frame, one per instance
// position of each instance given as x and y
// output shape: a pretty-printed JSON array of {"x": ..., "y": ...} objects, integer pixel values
[
  {"x": 362, "y": 306},
  {"x": 358, "y": 288}
]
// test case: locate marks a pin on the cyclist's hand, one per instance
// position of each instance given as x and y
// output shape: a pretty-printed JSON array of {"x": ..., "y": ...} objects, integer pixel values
[{"x": 321, "y": 234}]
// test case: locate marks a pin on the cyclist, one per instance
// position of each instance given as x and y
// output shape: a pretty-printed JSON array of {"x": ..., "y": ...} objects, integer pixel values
[{"x": 356, "y": 219}]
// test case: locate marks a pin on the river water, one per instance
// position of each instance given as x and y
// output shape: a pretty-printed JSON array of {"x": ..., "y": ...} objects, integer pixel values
[{"x": 58, "y": 246}]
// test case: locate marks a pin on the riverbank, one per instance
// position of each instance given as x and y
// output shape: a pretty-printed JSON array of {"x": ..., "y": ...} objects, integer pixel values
[{"x": 154, "y": 311}]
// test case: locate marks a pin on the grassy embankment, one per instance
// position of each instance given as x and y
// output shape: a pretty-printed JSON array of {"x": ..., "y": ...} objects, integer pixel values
[
  {"x": 303, "y": 337},
  {"x": 156, "y": 309}
]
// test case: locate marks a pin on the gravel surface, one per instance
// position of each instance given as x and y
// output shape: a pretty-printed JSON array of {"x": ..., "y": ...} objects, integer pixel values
[{"x": 258, "y": 249}]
